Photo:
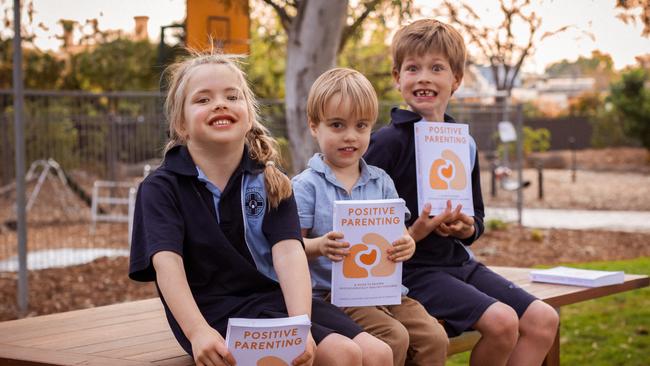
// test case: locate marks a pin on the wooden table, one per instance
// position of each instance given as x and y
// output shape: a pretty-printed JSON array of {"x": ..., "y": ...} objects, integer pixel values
[{"x": 136, "y": 333}]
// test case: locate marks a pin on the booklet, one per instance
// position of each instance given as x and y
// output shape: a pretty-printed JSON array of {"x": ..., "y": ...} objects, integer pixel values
[
  {"x": 267, "y": 342},
  {"x": 443, "y": 166},
  {"x": 366, "y": 277},
  {"x": 577, "y": 277}
]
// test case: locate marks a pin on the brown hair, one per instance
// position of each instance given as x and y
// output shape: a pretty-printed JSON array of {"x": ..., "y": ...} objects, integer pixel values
[
  {"x": 261, "y": 146},
  {"x": 427, "y": 35},
  {"x": 351, "y": 85}
]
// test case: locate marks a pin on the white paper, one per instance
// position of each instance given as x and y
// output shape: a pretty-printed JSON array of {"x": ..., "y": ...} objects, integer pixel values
[
  {"x": 577, "y": 277},
  {"x": 443, "y": 166},
  {"x": 366, "y": 276}
]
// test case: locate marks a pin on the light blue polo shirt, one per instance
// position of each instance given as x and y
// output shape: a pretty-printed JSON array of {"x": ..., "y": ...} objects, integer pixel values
[{"x": 316, "y": 189}]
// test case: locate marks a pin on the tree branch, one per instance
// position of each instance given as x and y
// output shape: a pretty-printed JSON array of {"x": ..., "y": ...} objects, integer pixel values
[
  {"x": 349, "y": 30},
  {"x": 285, "y": 18}
]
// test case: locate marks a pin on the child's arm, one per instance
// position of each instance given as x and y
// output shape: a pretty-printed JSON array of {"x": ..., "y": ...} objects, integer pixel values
[
  {"x": 208, "y": 346},
  {"x": 326, "y": 246},
  {"x": 290, "y": 265}
]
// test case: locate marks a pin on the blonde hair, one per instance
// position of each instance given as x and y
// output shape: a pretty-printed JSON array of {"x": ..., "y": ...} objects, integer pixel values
[
  {"x": 261, "y": 146},
  {"x": 427, "y": 35},
  {"x": 351, "y": 85}
]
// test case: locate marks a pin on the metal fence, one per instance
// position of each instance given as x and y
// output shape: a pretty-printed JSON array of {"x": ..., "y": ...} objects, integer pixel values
[{"x": 77, "y": 141}]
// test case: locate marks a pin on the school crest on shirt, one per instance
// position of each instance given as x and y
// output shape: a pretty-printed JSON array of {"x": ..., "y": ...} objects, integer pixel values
[{"x": 254, "y": 201}]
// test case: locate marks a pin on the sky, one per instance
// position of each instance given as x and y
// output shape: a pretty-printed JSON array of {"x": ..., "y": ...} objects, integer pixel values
[{"x": 597, "y": 17}]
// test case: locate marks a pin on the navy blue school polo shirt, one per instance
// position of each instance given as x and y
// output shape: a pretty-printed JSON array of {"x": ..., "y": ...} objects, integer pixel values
[
  {"x": 392, "y": 148},
  {"x": 176, "y": 212}
]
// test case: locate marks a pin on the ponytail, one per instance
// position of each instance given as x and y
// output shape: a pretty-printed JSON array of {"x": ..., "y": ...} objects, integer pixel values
[{"x": 263, "y": 148}]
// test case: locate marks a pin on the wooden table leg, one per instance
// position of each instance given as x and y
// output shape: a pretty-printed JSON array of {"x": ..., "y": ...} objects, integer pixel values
[{"x": 553, "y": 356}]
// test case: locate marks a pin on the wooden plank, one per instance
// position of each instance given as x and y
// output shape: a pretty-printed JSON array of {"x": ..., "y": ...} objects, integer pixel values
[
  {"x": 185, "y": 360},
  {"x": 81, "y": 325},
  {"x": 72, "y": 339},
  {"x": 24, "y": 356},
  {"x": 79, "y": 316},
  {"x": 142, "y": 348},
  {"x": 115, "y": 344}
]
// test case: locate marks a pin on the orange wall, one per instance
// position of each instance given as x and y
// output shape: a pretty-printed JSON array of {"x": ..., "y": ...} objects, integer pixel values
[{"x": 227, "y": 25}]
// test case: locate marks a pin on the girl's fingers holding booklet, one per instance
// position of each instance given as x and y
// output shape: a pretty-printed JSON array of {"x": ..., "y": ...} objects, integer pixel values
[{"x": 307, "y": 357}]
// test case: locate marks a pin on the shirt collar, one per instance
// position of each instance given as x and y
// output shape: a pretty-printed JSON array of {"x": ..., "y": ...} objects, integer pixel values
[
  {"x": 178, "y": 160},
  {"x": 401, "y": 116},
  {"x": 318, "y": 164}
]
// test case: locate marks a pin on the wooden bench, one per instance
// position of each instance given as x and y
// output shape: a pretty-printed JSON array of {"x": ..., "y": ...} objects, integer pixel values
[{"x": 136, "y": 333}]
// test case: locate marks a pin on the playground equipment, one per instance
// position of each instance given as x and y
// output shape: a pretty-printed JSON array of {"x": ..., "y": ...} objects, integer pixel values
[
  {"x": 39, "y": 171},
  {"x": 104, "y": 193}
]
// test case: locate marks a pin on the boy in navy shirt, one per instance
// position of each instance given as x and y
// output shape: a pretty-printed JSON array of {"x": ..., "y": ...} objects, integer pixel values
[{"x": 517, "y": 329}]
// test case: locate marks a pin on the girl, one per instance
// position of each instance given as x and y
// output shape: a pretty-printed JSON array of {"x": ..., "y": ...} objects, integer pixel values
[{"x": 216, "y": 226}]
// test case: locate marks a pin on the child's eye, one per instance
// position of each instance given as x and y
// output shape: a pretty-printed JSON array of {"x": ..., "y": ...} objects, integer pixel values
[
  {"x": 202, "y": 100},
  {"x": 411, "y": 68},
  {"x": 336, "y": 125},
  {"x": 438, "y": 67},
  {"x": 233, "y": 97},
  {"x": 362, "y": 125}
]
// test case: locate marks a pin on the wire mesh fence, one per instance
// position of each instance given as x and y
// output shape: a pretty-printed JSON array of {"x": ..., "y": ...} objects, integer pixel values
[{"x": 77, "y": 140}]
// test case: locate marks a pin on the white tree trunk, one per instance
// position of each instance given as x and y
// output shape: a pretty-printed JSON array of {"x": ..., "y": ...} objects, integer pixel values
[{"x": 313, "y": 42}]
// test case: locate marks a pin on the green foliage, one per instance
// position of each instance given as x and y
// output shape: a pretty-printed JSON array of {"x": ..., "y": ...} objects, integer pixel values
[
  {"x": 535, "y": 140},
  {"x": 266, "y": 63},
  {"x": 599, "y": 66},
  {"x": 630, "y": 98},
  {"x": 121, "y": 64},
  {"x": 536, "y": 235},
  {"x": 496, "y": 224},
  {"x": 41, "y": 70},
  {"x": 608, "y": 331}
]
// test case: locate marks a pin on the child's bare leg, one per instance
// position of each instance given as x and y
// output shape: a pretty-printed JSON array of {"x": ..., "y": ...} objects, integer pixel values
[
  {"x": 336, "y": 349},
  {"x": 537, "y": 330},
  {"x": 499, "y": 332},
  {"x": 374, "y": 352}
]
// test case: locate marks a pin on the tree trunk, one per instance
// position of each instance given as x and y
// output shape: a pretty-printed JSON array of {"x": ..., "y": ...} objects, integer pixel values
[{"x": 313, "y": 42}]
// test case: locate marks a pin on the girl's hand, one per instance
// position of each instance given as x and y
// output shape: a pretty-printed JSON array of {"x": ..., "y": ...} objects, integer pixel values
[
  {"x": 403, "y": 249},
  {"x": 329, "y": 247},
  {"x": 209, "y": 348},
  {"x": 425, "y": 225},
  {"x": 307, "y": 357}
]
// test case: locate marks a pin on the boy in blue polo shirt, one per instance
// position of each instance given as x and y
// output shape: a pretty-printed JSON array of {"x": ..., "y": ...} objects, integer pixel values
[
  {"x": 341, "y": 109},
  {"x": 517, "y": 329}
]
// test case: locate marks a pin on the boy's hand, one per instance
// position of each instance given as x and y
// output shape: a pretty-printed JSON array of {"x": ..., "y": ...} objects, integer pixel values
[
  {"x": 329, "y": 247},
  {"x": 307, "y": 357},
  {"x": 403, "y": 249},
  {"x": 461, "y": 226},
  {"x": 209, "y": 348},
  {"x": 425, "y": 225}
]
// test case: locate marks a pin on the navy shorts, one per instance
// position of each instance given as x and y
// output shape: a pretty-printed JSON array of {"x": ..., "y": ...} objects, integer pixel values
[
  {"x": 459, "y": 295},
  {"x": 325, "y": 320}
]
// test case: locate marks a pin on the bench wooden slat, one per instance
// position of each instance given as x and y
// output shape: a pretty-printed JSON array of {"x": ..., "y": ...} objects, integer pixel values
[
  {"x": 15, "y": 355},
  {"x": 117, "y": 344},
  {"x": 137, "y": 334}
]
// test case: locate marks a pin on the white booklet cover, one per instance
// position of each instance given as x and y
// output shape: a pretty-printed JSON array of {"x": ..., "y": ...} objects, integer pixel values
[
  {"x": 267, "y": 342},
  {"x": 577, "y": 277},
  {"x": 443, "y": 166},
  {"x": 366, "y": 277}
]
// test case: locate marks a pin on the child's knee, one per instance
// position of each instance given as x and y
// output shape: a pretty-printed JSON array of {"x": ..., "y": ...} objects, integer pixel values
[
  {"x": 373, "y": 350},
  {"x": 500, "y": 322},
  {"x": 541, "y": 319},
  {"x": 344, "y": 350},
  {"x": 397, "y": 339}
]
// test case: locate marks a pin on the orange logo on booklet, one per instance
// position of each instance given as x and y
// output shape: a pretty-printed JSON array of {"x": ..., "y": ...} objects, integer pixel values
[
  {"x": 271, "y": 361},
  {"x": 448, "y": 172},
  {"x": 369, "y": 257}
]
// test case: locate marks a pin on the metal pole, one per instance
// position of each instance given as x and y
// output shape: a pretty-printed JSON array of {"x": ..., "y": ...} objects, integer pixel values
[
  {"x": 574, "y": 162},
  {"x": 20, "y": 163},
  {"x": 520, "y": 162}
]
